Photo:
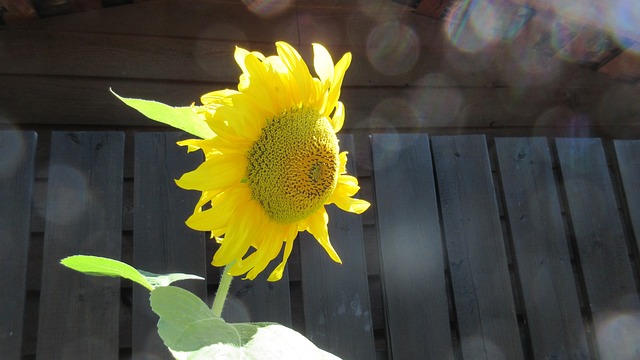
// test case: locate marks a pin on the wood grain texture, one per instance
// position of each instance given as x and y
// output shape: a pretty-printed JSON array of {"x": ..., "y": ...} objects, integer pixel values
[
  {"x": 16, "y": 180},
  {"x": 337, "y": 310},
  {"x": 162, "y": 243},
  {"x": 600, "y": 239},
  {"x": 411, "y": 249},
  {"x": 203, "y": 19},
  {"x": 540, "y": 246},
  {"x": 475, "y": 247},
  {"x": 79, "y": 313},
  {"x": 628, "y": 159},
  {"x": 87, "y": 101},
  {"x": 431, "y": 61},
  {"x": 259, "y": 300},
  {"x": 121, "y": 56}
]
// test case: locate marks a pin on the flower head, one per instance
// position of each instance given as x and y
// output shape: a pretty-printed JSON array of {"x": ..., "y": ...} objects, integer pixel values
[{"x": 274, "y": 162}]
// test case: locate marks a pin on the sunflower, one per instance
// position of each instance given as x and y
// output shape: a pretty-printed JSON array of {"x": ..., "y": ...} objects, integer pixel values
[{"x": 274, "y": 161}]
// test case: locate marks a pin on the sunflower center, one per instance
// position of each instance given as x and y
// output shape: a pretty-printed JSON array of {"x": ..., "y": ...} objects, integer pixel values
[{"x": 293, "y": 166}]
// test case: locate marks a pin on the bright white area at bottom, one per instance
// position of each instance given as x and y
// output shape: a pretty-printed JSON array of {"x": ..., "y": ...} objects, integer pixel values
[{"x": 273, "y": 342}]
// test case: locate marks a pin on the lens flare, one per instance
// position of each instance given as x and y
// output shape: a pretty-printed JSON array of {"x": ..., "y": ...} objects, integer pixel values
[
  {"x": 460, "y": 33},
  {"x": 622, "y": 19},
  {"x": 72, "y": 195},
  {"x": 392, "y": 113},
  {"x": 565, "y": 121},
  {"x": 481, "y": 345},
  {"x": 438, "y": 102},
  {"x": 618, "y": 336},
  {"x": 485, "y": 20},
  {"x": 267, "y": 8},
  {"x": 392, "y": 48}
]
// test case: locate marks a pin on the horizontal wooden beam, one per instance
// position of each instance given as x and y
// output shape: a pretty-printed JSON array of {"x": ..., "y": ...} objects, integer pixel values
[
  {"x": 435, "y": 63},
  {"x": 87, "y": 101},
  {"x": 406, "y": 72},
  {"x": 201, "y": 19}
]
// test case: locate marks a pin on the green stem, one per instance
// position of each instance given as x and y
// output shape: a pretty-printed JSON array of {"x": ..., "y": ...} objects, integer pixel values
[{"x": 223, "y": 290}]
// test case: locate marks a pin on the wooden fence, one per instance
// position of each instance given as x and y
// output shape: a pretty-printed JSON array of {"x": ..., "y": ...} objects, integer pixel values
[{"x": 505, "y": 248}]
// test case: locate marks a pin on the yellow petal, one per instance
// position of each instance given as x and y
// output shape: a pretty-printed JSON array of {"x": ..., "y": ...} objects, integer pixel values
[
  {"x": 261, "y": 87},
  {"x": 343, "y": 162},
  {"x": 239, "y": 55},
  {"x": 279, "y": 270},
  {"x": 235, "y": 119},
  {"x": 338, "y": 75},
  {"x": 352, "y": 205},
  {"x": 196, "y": 144},
  {"x": 297, "y": 67},
  {"x": 268, "y": 249},
  {"x": 217, "y": 172},
  {"x": 317, "y": 223},
  {"x": 244, "y": 225},
  {"x": 338, "y": 117},
  {"x": 356, "y": 206},
  {"x": 223, "y": 206},
  {"x": 349, "y": 184},
  {"x": 347, "y": 187},
  {"x": 223, "y": 145},
  {"x": 277, "y": 64},
  {"x": 204, "y": 220},
  {"x": 216, "y": 97},
  {"x": 323, "y": 64},
  {"x": 205, "y": 198}
]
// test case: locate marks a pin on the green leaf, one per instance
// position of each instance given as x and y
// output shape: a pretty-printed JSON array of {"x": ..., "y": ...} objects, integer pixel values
[
  {"x": 183, "y": 118},
  {"x": 186, "y": 323},
  {"x": 247, "y": 330},
  {"x": 204, "y": 333},
  {"x": 158, "y": 280},
  {"x": 100, "y": 266}
]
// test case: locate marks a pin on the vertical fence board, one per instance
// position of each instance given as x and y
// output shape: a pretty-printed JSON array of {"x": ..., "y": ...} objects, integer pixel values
[
  {"x": 601, "y": 244},
  {"x": 540, "y": 246},
  {"x": 259, "y": 300},
  {"x": 411, "y": 253},
  {"x": 628, "y": 156},
  {"x": 162, "y": 243},
  {"x": 16, "y": 180},
  {"x": 79, "y": 313},
  {"x": 336, "y": 297},
  {"x": 477, "y": 259}
]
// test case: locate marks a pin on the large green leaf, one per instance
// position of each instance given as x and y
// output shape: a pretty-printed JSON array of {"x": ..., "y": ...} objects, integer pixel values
[
  {"x": 186, "y": 322},
  {"x": 158, "y": 280},
  {"x": 100, "y": 266},
  {"x": 183, "y": 118},
  {"x": 204, "y": 333}
]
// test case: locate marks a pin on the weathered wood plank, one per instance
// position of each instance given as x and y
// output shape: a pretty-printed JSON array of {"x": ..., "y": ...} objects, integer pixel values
[
  {"x": 196, "y": 59},
  {"x": 477, "y": 260},
  {"x": 600, "y": 240},
  {"x": 411, "y": 251},
  {"x": 16, "y": 180},
  {"x": 337, "y": 311},
  {"x": 259, "y": 300},
  {"x": 203, "y": 19},
  {"x": 79, "y": 313},
  {"x": 162, "y": 243},
  {"x": 628, "y": 156},
  {"x": 540, "y": 245},
  {"x": 87, "y": 101},
  {"x": 121, "y": 56}
]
